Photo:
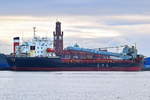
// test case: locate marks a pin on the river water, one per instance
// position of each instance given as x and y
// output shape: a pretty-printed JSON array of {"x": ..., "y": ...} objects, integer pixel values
[{"x": 74, "y": 85}]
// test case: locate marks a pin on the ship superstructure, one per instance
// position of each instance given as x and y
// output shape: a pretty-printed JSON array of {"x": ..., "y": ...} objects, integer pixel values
[{"x": 38, "y": 47}]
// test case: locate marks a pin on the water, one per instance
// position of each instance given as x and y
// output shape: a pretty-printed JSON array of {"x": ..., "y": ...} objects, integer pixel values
[{"x": 74, "y": 85}]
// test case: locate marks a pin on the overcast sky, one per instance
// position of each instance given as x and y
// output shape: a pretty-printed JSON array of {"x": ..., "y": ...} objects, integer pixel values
[{"x": 90, "y": 23}]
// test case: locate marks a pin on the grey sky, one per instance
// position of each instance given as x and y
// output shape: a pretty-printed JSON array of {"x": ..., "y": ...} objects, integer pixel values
[
  {"x": 71, "y": 7},
  {"x": 98, "y": 19}
]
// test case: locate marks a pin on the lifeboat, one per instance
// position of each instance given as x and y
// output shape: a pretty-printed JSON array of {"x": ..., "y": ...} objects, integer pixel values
[{"x": 49, "y": 50}]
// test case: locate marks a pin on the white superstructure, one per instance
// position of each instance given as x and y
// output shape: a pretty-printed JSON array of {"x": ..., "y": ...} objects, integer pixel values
[{"x": 37, "y": 47}]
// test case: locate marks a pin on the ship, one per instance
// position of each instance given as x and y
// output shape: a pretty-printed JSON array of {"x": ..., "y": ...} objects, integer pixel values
[
  {"x": 4, "y": 63},
  {"x": 44, "y": 54},
  {"x": 146, "y": 64}
]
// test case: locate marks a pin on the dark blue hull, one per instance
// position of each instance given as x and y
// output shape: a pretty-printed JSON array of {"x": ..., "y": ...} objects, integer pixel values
[
  {"x": 147, "y": 64},
  {"x": 3, "y": 63},
  {"x": 58, "y": 64}
]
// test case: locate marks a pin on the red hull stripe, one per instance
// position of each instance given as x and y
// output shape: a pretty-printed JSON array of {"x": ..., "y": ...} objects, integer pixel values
[
  {"x": 95, "y": 61},
  {"x": 77, "y": 69}
]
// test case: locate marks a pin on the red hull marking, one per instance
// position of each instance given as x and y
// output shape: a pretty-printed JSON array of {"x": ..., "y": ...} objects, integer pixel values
[
  {"x": 95, "y": 61},
  {"x": 77, "y": 69}
]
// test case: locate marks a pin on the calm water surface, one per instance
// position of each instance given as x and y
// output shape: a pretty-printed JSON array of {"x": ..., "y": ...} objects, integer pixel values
[{"x": 74, "y": 85}]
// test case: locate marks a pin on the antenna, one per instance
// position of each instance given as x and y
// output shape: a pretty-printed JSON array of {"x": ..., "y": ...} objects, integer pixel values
[
  {"x": 135, "y": 45},
  {"x": 22, "y": 37},
  {"x": 34, "y": 30}
]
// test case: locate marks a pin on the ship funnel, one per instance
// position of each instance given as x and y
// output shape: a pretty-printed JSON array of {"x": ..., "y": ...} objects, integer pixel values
[{"x": 16, "y": 44}]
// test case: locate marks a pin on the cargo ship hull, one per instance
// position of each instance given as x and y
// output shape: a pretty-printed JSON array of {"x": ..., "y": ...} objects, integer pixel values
[
  {"x": 146, "y": 64},
  {"x": 58, "y": 64},
  {"x": 3, "y": 63}
]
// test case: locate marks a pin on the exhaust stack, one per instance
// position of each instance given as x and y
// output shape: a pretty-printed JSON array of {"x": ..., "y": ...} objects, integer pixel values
[{"x": 16, "y": 44}]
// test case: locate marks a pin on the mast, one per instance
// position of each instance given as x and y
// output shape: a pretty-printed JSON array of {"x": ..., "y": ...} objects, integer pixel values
[{"x": 34, "y": 30}]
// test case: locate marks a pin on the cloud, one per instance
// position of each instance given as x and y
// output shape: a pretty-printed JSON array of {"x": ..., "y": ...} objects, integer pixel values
[
  {"x": 91, "y": 33},
  {"x": 85, "y": 30}
]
